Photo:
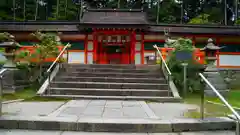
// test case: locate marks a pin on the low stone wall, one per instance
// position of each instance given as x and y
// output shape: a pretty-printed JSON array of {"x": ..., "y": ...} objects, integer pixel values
[
  {"x": 14, "y": 80},
  {"x": 18, "y": 79},
  {"x": 232, "y": 77}
]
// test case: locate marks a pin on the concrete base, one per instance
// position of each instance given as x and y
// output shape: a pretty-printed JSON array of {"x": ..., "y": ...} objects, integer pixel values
[
  {"x": 115, "y": 125},
  {"x": 215, "y": 78}
]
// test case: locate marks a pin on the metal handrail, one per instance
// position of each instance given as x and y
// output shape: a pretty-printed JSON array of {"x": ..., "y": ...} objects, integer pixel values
[
  {"x": 169, "y": 74},
  {"x": 164, "y": 62},
  {"x": 52, "y": 65},
  {"x": 2, "y": 71},
  {"x": 1, "y": 88},
  {"x": 220, "y": 96},
  {"x": 55, "y": 61}
]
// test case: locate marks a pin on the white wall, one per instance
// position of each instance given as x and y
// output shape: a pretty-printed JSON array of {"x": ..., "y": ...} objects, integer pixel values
[
  {"x": 76, "y": 57},
  {"x": 229, "y": 60}
]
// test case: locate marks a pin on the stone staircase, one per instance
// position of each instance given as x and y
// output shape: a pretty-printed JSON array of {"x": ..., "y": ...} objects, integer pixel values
[
  {"x": 114, "y": 85},
  {"x": 116, "y": 82}
]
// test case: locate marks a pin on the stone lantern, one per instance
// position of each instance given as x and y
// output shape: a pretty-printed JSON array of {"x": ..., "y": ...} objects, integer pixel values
[
  {"x": 211, "y": 71},
  {"x": 13, "y": 79},
  {"x": 9, "y": 53},
  {"x": 210, "y": 50},
  {"x": 10, "y": 47}
]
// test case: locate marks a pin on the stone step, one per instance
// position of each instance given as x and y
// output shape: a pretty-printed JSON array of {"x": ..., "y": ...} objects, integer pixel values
[
  {"x": 120, "y": 66},
  {"x": 109, "y": 92},
  {"x": 115, "y": 70},
  {"x": 48, "y": 132},
  {"x": 102, "y": 85},
  {"x": 110, "y": 79},
  {"x": 135, "y": 98},
  {"x": 115, "y": 125},
  {"x": 112, "y": 74}
]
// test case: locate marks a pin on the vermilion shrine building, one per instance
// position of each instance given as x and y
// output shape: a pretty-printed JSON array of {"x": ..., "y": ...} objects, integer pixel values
[{"x": 125, "y": 37}]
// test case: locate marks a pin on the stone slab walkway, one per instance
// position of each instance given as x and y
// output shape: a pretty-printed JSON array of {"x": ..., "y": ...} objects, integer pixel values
[
  {"x": 170, "y": 110},
  {"x": 106, "y": 115},
  {"x": 105, "y": 109},
  {"x": 116, "y": 109},
  {"x": 37, "y": 132},
  {"x": 30, "y": 108}
]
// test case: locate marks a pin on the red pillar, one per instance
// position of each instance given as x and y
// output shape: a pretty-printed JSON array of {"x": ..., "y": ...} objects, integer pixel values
[
  {"x": 142, "y": 48},
  {"x": 85, "y": 48},
  {"x": 217, "y": 53},
  {"x": 133, "y": 43},
  {"x": 95, "y": 46}
]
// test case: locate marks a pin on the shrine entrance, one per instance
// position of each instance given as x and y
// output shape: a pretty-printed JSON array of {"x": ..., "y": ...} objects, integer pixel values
[{"x": 114, "y": 47}]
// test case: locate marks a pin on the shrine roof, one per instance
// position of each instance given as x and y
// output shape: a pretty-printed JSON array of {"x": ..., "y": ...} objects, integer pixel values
[
  {"x": 196, "y": 29},
  {"x": 114, "y": 16},
  {"x": 66, "y": 26}
]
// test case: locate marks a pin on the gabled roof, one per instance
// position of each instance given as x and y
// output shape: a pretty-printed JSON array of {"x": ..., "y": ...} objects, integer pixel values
[
  {"x": 67, "y": 26},
  {"x": 114, "y": 16}
]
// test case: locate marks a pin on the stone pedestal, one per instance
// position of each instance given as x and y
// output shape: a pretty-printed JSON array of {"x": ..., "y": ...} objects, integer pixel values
[
  {"x": 14, "y": 80},
  {"x": 215, "y": 78}
]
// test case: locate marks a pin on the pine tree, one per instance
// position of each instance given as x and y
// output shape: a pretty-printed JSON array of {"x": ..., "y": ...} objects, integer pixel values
[{"x": 66, "y": 10}]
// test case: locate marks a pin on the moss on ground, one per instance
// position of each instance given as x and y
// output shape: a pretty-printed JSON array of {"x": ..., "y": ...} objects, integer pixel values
[
  {"x": 212, "y": 110},
  {"x": 29, "y": 94}
]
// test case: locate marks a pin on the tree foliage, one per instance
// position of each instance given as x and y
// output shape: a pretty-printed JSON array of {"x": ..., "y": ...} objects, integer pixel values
[
  {"x": 193, "y": 68},
  {"x": 201, "y": 19},
  {"x": 46, "y": 48},
  {"x": 69, "y": 10}
]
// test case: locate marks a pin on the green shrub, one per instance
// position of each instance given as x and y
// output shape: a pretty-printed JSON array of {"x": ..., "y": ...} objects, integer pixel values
[{"x": 193, "y": 68}]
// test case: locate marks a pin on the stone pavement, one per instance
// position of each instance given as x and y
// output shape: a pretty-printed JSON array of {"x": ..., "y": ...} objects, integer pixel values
[
  {"x": 98, "y": 109},
  {"x": 37, "y": 132},
  {"x": 106, "y": 116},
  {"x": 30, "y": 108},
  {"x": 104, "y": 109},
  {"x": 171, "y": 110}
]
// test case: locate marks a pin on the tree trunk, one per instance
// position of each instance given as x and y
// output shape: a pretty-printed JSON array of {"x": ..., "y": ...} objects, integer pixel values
[
  {"x": 66, "y": 5},
  {"x": 158, "y": 10},
  {"x": 24, "y": 10},
  {"x": 236, "y": 10},
  {"x": 81, "y": 10},
  {"x": 119, "y": 4},
  {"x": 225, "y": 12},
  {"x": 57, "y": 9},
  {"x": 14, "y": 10},
  {"x": 36, "y": 10},
  {"x": 46, "y": 10}
]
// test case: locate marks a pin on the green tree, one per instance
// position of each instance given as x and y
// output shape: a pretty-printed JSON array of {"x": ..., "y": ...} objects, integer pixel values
[
  {"x": 46, "y": 48},
  {"x": 238, "y": 21},
  {"x": 201, "y": 19},
  {"x": 66, "y": 10},
  {"x": 168, "y": 12}
]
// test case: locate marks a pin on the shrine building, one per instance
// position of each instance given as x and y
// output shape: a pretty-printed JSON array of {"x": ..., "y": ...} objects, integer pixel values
[{"x": 105, "y": 36}]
